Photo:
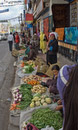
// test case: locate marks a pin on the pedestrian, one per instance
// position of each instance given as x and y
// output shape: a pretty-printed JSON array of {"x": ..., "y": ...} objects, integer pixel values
[
  {"x": 67, "y": 85},
  {"x": 10, "y": 41},
  {"x": 17, "y": 40},
  {"x": 43, "y": 43},
  {"x": 53, "y": 32},
  {"x": 51, "y": 55}
]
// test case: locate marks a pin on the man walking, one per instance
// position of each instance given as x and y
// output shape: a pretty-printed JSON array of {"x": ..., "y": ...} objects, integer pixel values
[{"x": 10, "y": 41}]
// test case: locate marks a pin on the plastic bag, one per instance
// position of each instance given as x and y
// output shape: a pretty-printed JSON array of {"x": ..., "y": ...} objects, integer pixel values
[
  {"x": 31, "y": 127},
  {"x": 48, "y": 128}
]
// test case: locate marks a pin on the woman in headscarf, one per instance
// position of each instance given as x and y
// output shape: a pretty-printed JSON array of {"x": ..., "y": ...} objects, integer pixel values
[{"x": 51, "y": 55}]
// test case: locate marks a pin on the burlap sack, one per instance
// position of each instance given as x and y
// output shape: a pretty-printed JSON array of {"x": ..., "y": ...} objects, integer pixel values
[
  {"x": 15, "y": 53},
  {"x": 49, "y": 71}
]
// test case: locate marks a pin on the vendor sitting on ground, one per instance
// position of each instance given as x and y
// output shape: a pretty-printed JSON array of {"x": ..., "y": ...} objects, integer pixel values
[
  {"x": 52, "y": 83},
  {"x": 31, "y": 54}
]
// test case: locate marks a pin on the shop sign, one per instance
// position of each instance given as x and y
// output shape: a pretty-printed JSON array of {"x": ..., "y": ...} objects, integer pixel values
[
  {"x": 29, "y": 17},
  {"x": 40, "y": 7}
]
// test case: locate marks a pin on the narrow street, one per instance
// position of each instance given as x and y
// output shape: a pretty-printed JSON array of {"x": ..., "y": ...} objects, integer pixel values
[{"x": 6, "y": 82}]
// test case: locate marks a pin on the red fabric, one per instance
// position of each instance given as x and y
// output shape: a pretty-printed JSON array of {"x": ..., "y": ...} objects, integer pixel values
[
  {"x": 25, "y": 1},
  {"x": 17, "y": 40}
]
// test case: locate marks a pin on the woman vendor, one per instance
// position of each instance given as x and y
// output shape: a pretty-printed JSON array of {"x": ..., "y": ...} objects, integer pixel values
[
  {"x": 67, "y": 85},
  {"x": 31, "y": 54},
  {"x": 51, "y": 55},
  {"x": 52, "y": 83}
]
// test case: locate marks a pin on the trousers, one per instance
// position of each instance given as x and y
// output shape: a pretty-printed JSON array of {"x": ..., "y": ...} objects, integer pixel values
[{"x": 10, "y": 45}]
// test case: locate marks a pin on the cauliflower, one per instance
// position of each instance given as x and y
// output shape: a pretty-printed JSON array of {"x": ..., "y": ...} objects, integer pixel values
[
  {"x": 48, "y": 100},
  {"x": 37, "y": 103},
  {"x": 32, "y": 105},
  {"x": 36, "y": 98},
  {"x": 45, "y": 104},
  {"x": 42, "y": 101}
]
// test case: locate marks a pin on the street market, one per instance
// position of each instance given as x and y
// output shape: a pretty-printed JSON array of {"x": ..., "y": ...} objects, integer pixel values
[{"x": 39, "y": 69}]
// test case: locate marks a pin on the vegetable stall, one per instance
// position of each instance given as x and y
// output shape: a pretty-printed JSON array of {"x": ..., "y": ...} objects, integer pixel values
[{"x": 30, "y": 97}]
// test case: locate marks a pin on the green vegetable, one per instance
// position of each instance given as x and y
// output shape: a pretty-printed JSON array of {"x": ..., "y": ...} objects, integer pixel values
[
  {"x": 28, "y": 69},
  {"x": 25, "y": 90},
  {"x": 43, "y": 117}
]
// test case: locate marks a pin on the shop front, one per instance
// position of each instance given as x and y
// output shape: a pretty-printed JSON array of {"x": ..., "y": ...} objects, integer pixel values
[{"x": 66, "y": 23}]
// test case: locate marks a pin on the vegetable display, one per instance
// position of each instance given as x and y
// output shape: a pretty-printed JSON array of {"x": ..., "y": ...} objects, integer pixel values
[
  {"x": 28, "y": 69},
  {"x": 31, "y": 77},
  {"x": 33, "y": 82},
  {"x": 25, "y": 89},
  {"x": 41, "y": 100},
  {"x": 38, "y": 89},
  {"x": 46, "y": 117},
  {"x": 14, "y": 107},
  {"x": 17, "y": 96}
]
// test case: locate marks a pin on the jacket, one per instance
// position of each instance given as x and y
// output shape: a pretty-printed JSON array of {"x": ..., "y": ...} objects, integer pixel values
[{"x": 17, "y": 40}]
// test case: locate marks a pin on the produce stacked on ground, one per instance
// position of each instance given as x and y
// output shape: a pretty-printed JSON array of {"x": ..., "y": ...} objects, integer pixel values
[
  {"x": 25, "y": 63},
  {"x": 33, "y": 82},
  {"x": 40, "y": 101},
  {"x": 45, "y": 117},
  {"x": 26, "y": 96},
  {"x": 22, "y": 97},
  {"x": 31, "y": 77},
  {"x": 28, "y": 69},
  {"x": 38, "y": 89},
  {"x": 17, "y": 96}
]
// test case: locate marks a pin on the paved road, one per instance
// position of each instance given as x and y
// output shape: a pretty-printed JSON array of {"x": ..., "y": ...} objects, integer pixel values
[
  {"x": 3, "y": 49},
  {"x": 6, "y": 82}
]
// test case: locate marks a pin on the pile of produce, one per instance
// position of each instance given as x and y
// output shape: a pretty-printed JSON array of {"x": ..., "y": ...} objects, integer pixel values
[
  {"x": 17, "y": 96},
  {"x": 46, "y": 117},
  {"x": 38, "y": 89},
  {"x": 31, "y": 77},
  {"x": 28, "y": 69},
  {"x": 31, "y": 62},
  {"x": 33, "y": 82},
  {"x": 22, "y": 97},
  {"x": 40, "y": 100},
  {"x": 25, "y": 89}
]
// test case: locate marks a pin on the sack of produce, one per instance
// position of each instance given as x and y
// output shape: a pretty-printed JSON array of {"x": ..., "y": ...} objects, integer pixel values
[
  {"x": 48, "y": 128},
  {"x": 15, "y": 53},
  {"x": 41, "y": 118}
]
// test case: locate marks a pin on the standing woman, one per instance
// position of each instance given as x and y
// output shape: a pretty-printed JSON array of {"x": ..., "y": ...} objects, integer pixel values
[
  {"x": 10, "y": 41},
  {"x": 67, "y": 85},
  {"x": 17, "y": 40},
  {"x": 51, "y": 55}
]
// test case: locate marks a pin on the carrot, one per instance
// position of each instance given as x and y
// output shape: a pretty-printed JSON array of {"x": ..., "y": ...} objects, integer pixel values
[{"x": 14, "y": 106}]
